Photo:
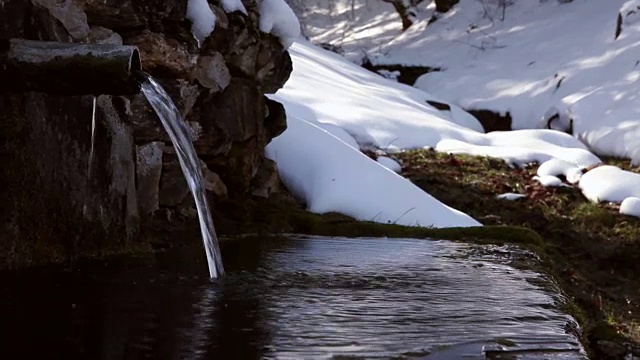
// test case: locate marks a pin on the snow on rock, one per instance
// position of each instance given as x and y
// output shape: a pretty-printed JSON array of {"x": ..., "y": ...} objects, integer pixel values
[
  {"x": 630, "y": 206},
  {"x": 277, "y": 18},
  {"x": 389, "y": 163},
  {"x": 332, "y": 176},
  {"x": 549, "y": 181},
  {"x": 557, "y": 167},
  {"x": 510, "y": 196},
  {"x": 203, "y": 20},
  {"x": 609, "y": 183},
  {"x": 233, "y": 5}
]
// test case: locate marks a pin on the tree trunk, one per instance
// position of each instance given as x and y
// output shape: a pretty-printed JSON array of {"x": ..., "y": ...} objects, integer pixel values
[
  {"x": 445, "y": 5},
  {"x": 402, "y": 10}
]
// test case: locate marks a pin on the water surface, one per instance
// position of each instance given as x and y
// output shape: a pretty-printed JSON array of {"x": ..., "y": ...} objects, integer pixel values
[{"x": 292, "y": 299}]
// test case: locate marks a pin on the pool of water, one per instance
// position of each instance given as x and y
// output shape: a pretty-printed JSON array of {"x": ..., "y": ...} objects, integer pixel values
[{"x": 296, "y": 298}]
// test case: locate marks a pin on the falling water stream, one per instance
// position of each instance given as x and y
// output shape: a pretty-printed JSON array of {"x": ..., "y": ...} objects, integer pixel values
[
  {"x": 179, "y": 134},
  {"x": 93, "y": 135}
]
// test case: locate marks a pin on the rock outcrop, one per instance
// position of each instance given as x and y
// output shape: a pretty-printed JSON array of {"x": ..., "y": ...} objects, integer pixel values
[{"x": 56, "y": 203}]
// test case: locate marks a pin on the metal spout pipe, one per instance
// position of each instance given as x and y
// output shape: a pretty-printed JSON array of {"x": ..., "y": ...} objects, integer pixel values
[{"x": 68, "y": 68}]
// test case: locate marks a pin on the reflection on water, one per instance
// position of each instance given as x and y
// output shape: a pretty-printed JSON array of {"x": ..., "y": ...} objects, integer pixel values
[{"x": 297, "y": 298}]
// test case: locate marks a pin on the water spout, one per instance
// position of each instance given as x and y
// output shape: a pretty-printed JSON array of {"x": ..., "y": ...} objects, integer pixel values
[
  {"x": 179, "y": 134},
  {"x": 68, "y": 68}
]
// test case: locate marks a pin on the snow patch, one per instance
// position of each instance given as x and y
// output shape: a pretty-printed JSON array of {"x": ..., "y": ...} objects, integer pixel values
[
  {"x": 510, "y": 196},
  {"x": 332, "y": 176},
  {"x": 277, "y": 18},
  {"x": 630, "y": 206},
  {"x": 230, "y": 6},
  {"x": 609, "y": 184},
  {"x": 389, "y": 163},
  {"x": 549, "y": 181},
  {"x": 203, "y": 20}
]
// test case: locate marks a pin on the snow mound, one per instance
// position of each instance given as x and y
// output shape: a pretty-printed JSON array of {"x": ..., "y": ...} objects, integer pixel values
[
  {"x": 339, "y": 132},
  {"x": 233, "y": 5},
  {"x": 521, "y": 147},
  {"x": 389, "y": 163},
  {"x": 202, "y": 18},
  {"x": 549, "y": 181},
  {"x": 277, "y": 18},
  {"x": 630, "y": 12},
  {"x": 332, "y": 176},
  {"x": 609, "y": 184},
  {"x": 630, "y": 206},
  {"x": 510, "y": 196}
]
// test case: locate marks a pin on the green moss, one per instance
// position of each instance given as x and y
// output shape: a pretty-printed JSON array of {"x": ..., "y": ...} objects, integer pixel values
[{"x": 591, "y": 249}]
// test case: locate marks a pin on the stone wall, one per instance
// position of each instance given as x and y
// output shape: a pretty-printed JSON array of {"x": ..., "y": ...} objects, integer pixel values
[{"x": 52, "y": 209}]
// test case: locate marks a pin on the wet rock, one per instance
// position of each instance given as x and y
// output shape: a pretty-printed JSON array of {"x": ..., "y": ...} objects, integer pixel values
[
  {"x": 174, "y": 190},
  {"x": 212, "y": 72},
  {"x": 212, "y": 182},
  {"x": 148, "y": 172},
  {"x": 267, "y": 181},
  {"x": 173, "y": 186},
  {"x": 163, "y": 56}
]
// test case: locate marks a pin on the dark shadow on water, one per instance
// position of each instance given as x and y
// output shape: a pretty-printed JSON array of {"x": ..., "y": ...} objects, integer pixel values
[{"x": 305, "y": 298}]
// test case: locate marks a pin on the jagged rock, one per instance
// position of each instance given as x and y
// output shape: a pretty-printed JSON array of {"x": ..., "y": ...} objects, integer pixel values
[
  {"x": 101, "y": 35},
  {"x": 174, "y": 190},
  {"x": 146, "y": 125},
  {"x": 163, "y": 56},
  {"x": 148, "y": 172},
  {"x": 212, "y": 182},
  {"x": 70, "y": 15},
  {"x": 173, "y": 186},
  {"x": 219, "y": 90},
  {"x": 251, "y": 54},
  {"x": 276, "y": 120},
  {"x": 212, "y": 72},
  {"x": 126, "y": 15},
  {"x": 267, "y": 180}
]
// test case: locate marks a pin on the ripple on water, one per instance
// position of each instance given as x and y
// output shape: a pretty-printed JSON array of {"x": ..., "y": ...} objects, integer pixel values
[{"x": 299, "y": 298}]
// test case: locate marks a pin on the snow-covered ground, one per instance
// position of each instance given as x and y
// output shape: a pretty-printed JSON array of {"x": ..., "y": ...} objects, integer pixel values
[
  {"x": 544, "y": 58},
  {"x": 335, "y": 107}
]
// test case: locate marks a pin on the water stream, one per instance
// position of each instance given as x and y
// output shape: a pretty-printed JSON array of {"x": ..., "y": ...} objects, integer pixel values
[
  {"x": 179, "y": 134},
  {"x": 292, "y": 298},
  {"x": 93, "y": 136}
]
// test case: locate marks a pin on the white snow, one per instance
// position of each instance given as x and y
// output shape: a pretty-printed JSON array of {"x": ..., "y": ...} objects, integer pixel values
[
  {"x": 230, "y": 6},
  {"x": 332, "y": 176},
  {"x": 510, "y": 196},
  {"x": 340, "y": 134},
  {"x": 610, "y": 184},
  {"x": 389, "y": 163},
  {"x": 549, "y": 181},
  {"x": 543, "y": 58},
  {"x": 363, "y": 110},
  {"x": 202, "y": 18},
  {"x": 277, "y": 18},
  {"x": 630, "y": 11},
  {"x": 630, "y": 206}
]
